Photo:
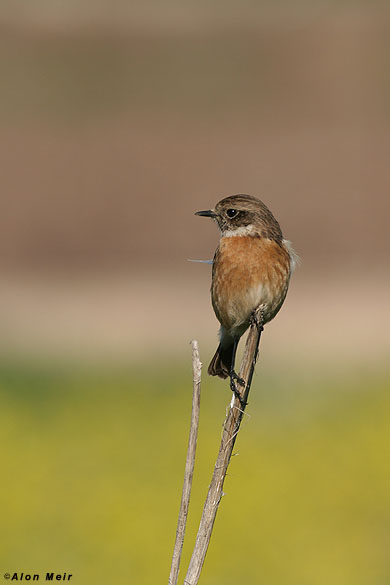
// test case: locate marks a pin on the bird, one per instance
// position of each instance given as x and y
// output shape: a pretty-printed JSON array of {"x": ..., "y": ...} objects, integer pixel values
[{"x": 251, "y": 270}]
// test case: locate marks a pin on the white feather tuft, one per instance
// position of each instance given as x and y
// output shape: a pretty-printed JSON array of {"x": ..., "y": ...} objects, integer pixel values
[{"x": 294, "y": 258}]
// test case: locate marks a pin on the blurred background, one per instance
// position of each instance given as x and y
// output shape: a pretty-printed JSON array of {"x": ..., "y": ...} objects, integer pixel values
[{"x": 119, "y": 121}]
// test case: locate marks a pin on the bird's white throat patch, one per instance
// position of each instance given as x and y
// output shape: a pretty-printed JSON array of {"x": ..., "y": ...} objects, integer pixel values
[{"x": 245, "y": 230}]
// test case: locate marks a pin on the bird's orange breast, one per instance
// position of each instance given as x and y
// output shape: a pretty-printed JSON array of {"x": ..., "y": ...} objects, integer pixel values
[{"x": 248, "y": 271}]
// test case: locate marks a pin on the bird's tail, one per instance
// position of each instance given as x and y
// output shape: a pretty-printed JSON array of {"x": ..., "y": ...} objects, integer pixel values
[{"x": 221, "y": 363}]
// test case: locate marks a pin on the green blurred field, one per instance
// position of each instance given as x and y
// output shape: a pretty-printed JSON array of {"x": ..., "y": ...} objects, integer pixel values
[{"x": 92, "y": 465}]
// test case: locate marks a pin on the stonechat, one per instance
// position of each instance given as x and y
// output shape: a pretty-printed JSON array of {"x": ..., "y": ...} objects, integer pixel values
[{"x": 252, "y": 267}]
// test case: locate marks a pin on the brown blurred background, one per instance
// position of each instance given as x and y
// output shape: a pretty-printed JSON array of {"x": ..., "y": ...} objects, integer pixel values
[{"x": 119, "y": 122}]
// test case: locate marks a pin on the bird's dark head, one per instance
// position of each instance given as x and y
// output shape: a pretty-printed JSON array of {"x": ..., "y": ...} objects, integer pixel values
[{"x": 244, "y": 215}]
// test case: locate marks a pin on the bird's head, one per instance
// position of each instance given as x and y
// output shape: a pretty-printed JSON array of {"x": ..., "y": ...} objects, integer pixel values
[{"x": 244, "y": 215}]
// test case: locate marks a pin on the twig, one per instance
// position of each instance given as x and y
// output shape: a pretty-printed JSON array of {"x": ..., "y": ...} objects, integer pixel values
[
  {"x": 189, "y": 468},
  {"x": 229, "y": 435}
]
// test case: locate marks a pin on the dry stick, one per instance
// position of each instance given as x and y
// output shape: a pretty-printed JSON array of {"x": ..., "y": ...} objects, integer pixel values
[
  {"x": 229, "y": 435},
  {"x": 189, "y": 469}
]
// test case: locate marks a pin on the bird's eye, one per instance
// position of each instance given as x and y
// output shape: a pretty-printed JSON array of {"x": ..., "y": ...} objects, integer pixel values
[{"x": 231, "y": 213}]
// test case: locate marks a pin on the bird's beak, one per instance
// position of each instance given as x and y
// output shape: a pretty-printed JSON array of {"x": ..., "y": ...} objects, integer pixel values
[{"x": 208, "y": 213}]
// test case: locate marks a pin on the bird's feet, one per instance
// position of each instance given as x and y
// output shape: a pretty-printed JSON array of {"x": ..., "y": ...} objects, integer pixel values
[
  {"x": 257, "y": 318},
  {"x": 233, "y": 379},
  {"x": 236, "y": 378}
]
